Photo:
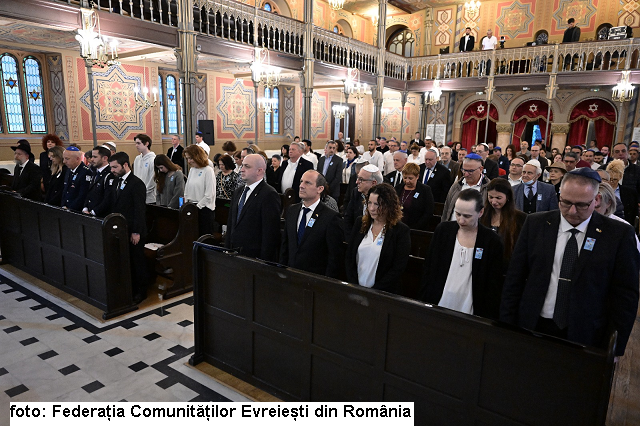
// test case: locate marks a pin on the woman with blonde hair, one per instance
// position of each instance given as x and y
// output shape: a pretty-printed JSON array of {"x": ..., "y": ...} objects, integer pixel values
[
  {"x": 201, "y": 187},
  {"x": 57, "y": 171}
]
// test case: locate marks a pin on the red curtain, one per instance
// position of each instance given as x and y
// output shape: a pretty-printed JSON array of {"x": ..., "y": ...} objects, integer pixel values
[
  {"x": 601, "y": 112},
  {"x": 473, "y": 124},
  {"x": 534, "y": 110}
]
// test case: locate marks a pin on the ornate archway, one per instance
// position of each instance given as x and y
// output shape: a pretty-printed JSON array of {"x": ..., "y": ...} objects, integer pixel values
[
  {"x": 603, "y": 115},
  {"x": 474, "y": 121},
  {"x": 534, "y": 110}
]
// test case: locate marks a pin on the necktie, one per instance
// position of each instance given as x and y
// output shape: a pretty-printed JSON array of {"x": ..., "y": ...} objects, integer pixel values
[
  {"x": 303, "y": 223},
  {"x": 118, "y": 186},
  {"x": 561, "y": 310},
  {"x": 21, "y": 170},
  {"x": 243, "y": 198},
  {"x": 427, "y": 175},
  {"x": 326, "y": 166},
  {"x": 531, "y": 193}
]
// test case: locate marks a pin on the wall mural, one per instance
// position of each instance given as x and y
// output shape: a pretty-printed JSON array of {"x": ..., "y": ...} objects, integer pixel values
[
  {"x": 391, "y": 122},
  {"x": 444, "y": 21},
  {"x": 117, "y": 115},
  {"x": 516, "y": 18},
  {"x": 629, "y": 13},
  {"x": 201, "y": 96},
  {"x": 581, "y": 10},
  {"x": 289, "y": 111},
  {"x": 236, "y": 109},
  {"x": 59, "y": 101},
  {"x": 319, "y": 115}
]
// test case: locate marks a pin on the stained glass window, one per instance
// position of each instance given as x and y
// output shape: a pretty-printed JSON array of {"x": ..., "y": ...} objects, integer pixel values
[
  {"x": 267, "y": 115},
  {"x": 163, "y": 130},
  {"x": 33, "y": 84},
  {"x": 267, "y": 7},
  {"x": 181, "y": 106},
  {"x": 276, "y": 127},
  {"x": 172, "y": 105},
  {"x": 12, "y": 97}
]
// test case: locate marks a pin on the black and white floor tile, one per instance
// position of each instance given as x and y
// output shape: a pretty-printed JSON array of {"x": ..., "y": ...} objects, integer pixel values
[{"x": 51, "y": 351}]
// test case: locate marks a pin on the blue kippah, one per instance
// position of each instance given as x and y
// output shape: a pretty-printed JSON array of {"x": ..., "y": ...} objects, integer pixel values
[
  {"x": 72, "y": 148},
  {"x": 587, "y": 172},
  {"x": 473, "y": 156}
]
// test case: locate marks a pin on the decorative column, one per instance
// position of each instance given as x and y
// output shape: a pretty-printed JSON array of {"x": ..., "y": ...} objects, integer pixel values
[
  {"x": 428, "y": 30},
  {"x": 622, "y": 112},
  {"x": 421, "y": 111},
  {"x": 559, "y": 132},
  {"x": 306, "y": 76},
  {"x": 255, "y": 92},
  {"x": 187, "y": 66},
  {"x": 377, "y": 92},
  {"x": 504, "y": 135},
  {"x": 403, "y": 101}
]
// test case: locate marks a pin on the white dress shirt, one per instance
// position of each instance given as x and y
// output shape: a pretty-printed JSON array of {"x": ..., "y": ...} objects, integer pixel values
[
  {"x": 388, "y": 162},
  {"x": 289, "y": 174},
  {"x": 561, "y": 244},
  {"x": 368, "y": 257},
  {"x": 489, "y": 43},
  {"x": 311, "y": 157},
  {"x": 457, "y": 293},
  {"x": 515, "y": 182},
  {"x": 312, "y": 207},
  {"x": 376, "y": 159}
]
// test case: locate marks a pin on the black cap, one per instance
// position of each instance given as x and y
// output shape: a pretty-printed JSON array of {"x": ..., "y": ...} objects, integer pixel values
[
  {"x": 26, "y": 147},
  {"x": 587, "y": 172},
  {"x": 200, "y": 134}
]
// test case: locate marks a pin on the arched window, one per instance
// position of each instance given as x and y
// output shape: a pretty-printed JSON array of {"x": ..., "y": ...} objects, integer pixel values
[
  {"x": 270, "y": 6},
  {"x": 181, "y": 88},
  {"x": 172, "y": 104},
  {"x": 33, "y": 85},
  {"x": 272, "y": 119},
  {"x": 267, "y": 7},
  {"x": 160, "y": 92},
  {"x": 12, "y": 97},
  {"x": 402, "y": 42}
]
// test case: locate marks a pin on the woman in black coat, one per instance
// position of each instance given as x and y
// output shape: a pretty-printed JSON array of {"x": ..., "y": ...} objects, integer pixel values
[
  {"x": 48, "y": 141},
  {"x": 55, "y": 185},
  {"x": 481, "y": 249},
  {"x": 379, "y": 246},
  {"x": 416, "y": 199}
]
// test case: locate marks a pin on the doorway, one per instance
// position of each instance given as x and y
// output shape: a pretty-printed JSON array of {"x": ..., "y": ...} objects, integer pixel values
[{"x": 347, "y": 125}]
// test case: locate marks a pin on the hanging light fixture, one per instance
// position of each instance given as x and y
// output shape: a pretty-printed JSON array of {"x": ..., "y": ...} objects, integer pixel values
[
  {"x": 142, "y": 95},
  {"x": 473, "y": 8},
  {"x": 352, "y": 85},
  {"x": 267, "y": 105},
  {"x": 261, "y": 70},
  {"x": 96, "y": 49},
  {"x": 336, "y": 4},
  {"x": 340, "y": 111},
  {"x": 623, "y": 91},
  {"x": 433, "y": 97}
]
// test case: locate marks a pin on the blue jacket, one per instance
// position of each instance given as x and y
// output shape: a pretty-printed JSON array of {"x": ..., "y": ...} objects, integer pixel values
[{"x": 76, "y": 187}]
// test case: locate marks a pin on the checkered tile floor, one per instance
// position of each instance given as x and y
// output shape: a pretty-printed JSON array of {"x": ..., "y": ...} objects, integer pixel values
[{"x": 50, "y": 351}]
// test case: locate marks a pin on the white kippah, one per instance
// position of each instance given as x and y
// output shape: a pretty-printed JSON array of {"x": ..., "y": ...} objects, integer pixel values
[
  {"x": 534, "y": 163},
  {"x": 371, "y": 168},
  {"x": 112, "y": 144}
]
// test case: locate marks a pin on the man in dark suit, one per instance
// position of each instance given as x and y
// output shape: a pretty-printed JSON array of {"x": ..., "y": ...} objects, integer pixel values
[
  {"x": 395, "y": 177},
  {"x": 631, "y": 176},
  {"x": 76, "y": 181},
  {"x": 127, "y": 196},
  {"x": 97, "y": 203},
  {"x": 330, "y": 165},
  {"x": 552, "y": 285},
  {"x": 26, "y": 175},
  {"x": 291, "y": 170},
  {"x": 175, "y": 152},
  {"x": 447, "y": 161},
  {"x": 253, "y": 226},
  {"x": 490, "y": 166},
  {"x": 531, "y": 195},
  {"x": 435, "y": 175},
  {"x": 503, "y": 161},
  {"x": 313, "y": 234},
  {"x": 468, "y": 41},
  {"x": 368, "y": 177}
]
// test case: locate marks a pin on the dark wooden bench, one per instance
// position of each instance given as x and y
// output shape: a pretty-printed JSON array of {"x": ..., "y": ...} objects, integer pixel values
[
  {"x": 176, "y": 230},
  {"x": 305, "y": 337},
  {"x": 84, "y": 256}
]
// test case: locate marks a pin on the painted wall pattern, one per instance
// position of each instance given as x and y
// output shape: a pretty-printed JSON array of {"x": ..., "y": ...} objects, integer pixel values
[
  {"x": 391, "y": 123},
  {"x": 235, "y": 116},
  {"x": 443, "y": 24},
  {"x": 58, "y": 97},
  {"x": 516, "y": 18},
  {"x": 73, "y": 105},
  {"x": 320, "y": 115},
  {"x": 289, "y": 113},
  {"x": 629, "y": 13},
  {"x": 201, "y": 96},
  {"x": 583, "y": 11}
]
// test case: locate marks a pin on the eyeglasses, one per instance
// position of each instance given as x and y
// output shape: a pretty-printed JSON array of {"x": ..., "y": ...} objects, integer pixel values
[
  {"x": 359, "y": 179},
  {"x": 517, "y": 165},
  {"x": 468, "y": 172},
  {"x": 579, "y": 206}
]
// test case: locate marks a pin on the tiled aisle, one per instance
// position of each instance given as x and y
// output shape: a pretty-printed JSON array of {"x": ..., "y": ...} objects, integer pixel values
[{"x": 51, "y": 351}]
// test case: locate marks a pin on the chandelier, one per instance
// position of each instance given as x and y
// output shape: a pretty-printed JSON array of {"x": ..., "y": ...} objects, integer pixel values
[
  {"x": 261, "y": 70},
  {"x": 340, "y": 111},
  {"x": 142, "y": 96},
  {"x": 374, "y": 20},
  {"x": 267, "y": 105},
  {"x": 623, "y": 91},
  {"x": 433, "y": 97},
  {"x": 336, "y": 4},
  {"x": 352, "y": 85},
  {"x": 96, "y": 49},
  {"x": 473, "y": 8}
]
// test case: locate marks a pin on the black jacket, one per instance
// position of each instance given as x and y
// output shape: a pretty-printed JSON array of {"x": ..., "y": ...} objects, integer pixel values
[
  {"x": 394, "y": 256},
  {"x": 334, "y": 174},
  {"x": 76, "y": 187},
  {"x": 55, "y": 186},
  {"x": 303, "y": 166},
  {"x": 352, "y": 212},
  {"x": 439, "y": 182},
  {"x": 97, "y": 199},
  {"x": 320, "y": 250},
  {"x": 629, "y": 198},
  {"x": 418, "y": 215},
  {"x": 130, "y": 201},
  {"x": 486, "y": 272},
  {"x": 468, "y": 47},
  {"x": 491, "y": 169},
  {"x": 27, "y": 183},
  {"x": 177, "y": 157}
]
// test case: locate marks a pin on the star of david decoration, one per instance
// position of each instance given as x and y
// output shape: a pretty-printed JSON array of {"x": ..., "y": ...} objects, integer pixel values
[
  {"x": 533, "y": 108},
  {"x": 35, "y": 95},
  {"x": 171, "y": 96},
  {"x": 480, "y": 109},
  {"x": 593, "y": 107},
  {"x": 11, "y": 83}
]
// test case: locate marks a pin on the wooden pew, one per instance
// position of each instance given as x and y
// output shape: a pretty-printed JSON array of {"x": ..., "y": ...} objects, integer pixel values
[
  {"x": 420, "y": 241},
  {"x": 286, "y": 200},
  {"x": 176, "y": 230},
  {"x": 84, "y": 256},
  {"x": 438, "y": 208},
  {"x": 304, "y": 337}
]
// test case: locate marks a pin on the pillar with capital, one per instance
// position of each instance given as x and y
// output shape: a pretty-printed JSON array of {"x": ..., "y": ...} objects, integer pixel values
[
  {"x": 504, "y": 136},
  {"x": 559, "y": 132}
]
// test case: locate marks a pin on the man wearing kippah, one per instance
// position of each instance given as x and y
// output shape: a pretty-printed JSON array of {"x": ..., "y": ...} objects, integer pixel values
[
  {"x": 472, "y": 177},
  {"x": 553, "y": 288},
  {"x": 77, "y": 180},
  {"x": 368, "y": 177}
]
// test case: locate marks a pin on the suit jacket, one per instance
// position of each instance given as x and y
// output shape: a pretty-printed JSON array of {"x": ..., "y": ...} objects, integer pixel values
[
  {"x": 454, "y": 169},
  {"x": 55, "y": 186},
  {"x": 504, "y": 163},
  {"x": 96, "y": 200},
  {"x": 303, "y": 166},
  {"x": 631, "y": 177},
  {"x": 491, "y": 169},
  {"x": 546, "y": 197},
  {"x": 418, "y": 215},
  {"x": 486, "y": 273},
  {"x": 27, "y": 183},
  {"x": 571, "y": 35},
  {"x": 468, "y": 46},
  {"x": 394, "y": 179},
  {"x": 256, "y": 233},
  {"x": 130, "y": 201},
  {"x": 319, "y": 250},
  {"x": 352, "y": 212},
  {"x": 629, "y": 198},
  {"x": 76, "y": 187},
  {"x": 394, "y": 256},
  {"x": 177, "y": 157},
  {"x": 333, "y": 176},
  {"x": 439, "y": 182},
  {"x": 604, "y": 294}
]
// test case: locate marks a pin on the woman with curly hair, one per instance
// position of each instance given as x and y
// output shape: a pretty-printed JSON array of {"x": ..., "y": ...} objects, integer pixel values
[
  {"x": 169, "y": 182},
  {"x": 227, "y": 178},
  {"x": 380, "y": 243},
  {"x": 48, "y": 141},
  {"x": 201, "y": 187}
]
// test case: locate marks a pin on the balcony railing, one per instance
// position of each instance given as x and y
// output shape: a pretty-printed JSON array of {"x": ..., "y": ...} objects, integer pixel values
[
  {"x": 163, "y": 12},
  {"x": 340, "y": 50}
]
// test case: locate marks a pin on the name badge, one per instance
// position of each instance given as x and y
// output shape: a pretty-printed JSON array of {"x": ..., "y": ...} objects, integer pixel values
[
  {"x": 416, "y": 195},
  {"x": 146, "y": 165},
  {"x": 122, "y": 186},
  {"x": 539, "y": 197},
  {"x": 74, "y": 177},
  {"x": 111, "y": 182},
  {"x": 479, "y": 252},
  {"x": 172, "y": 178},
  {"x": 331, "y": 163},
  {"x": 379, "y": 241},
  {"x": 391, "y": 180},
  {"x": 588, "y": 244},
  {"x": 200, "y": 174},
  {"x": 88, "y": 178},
  {"x": 311, "y": 222}
]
